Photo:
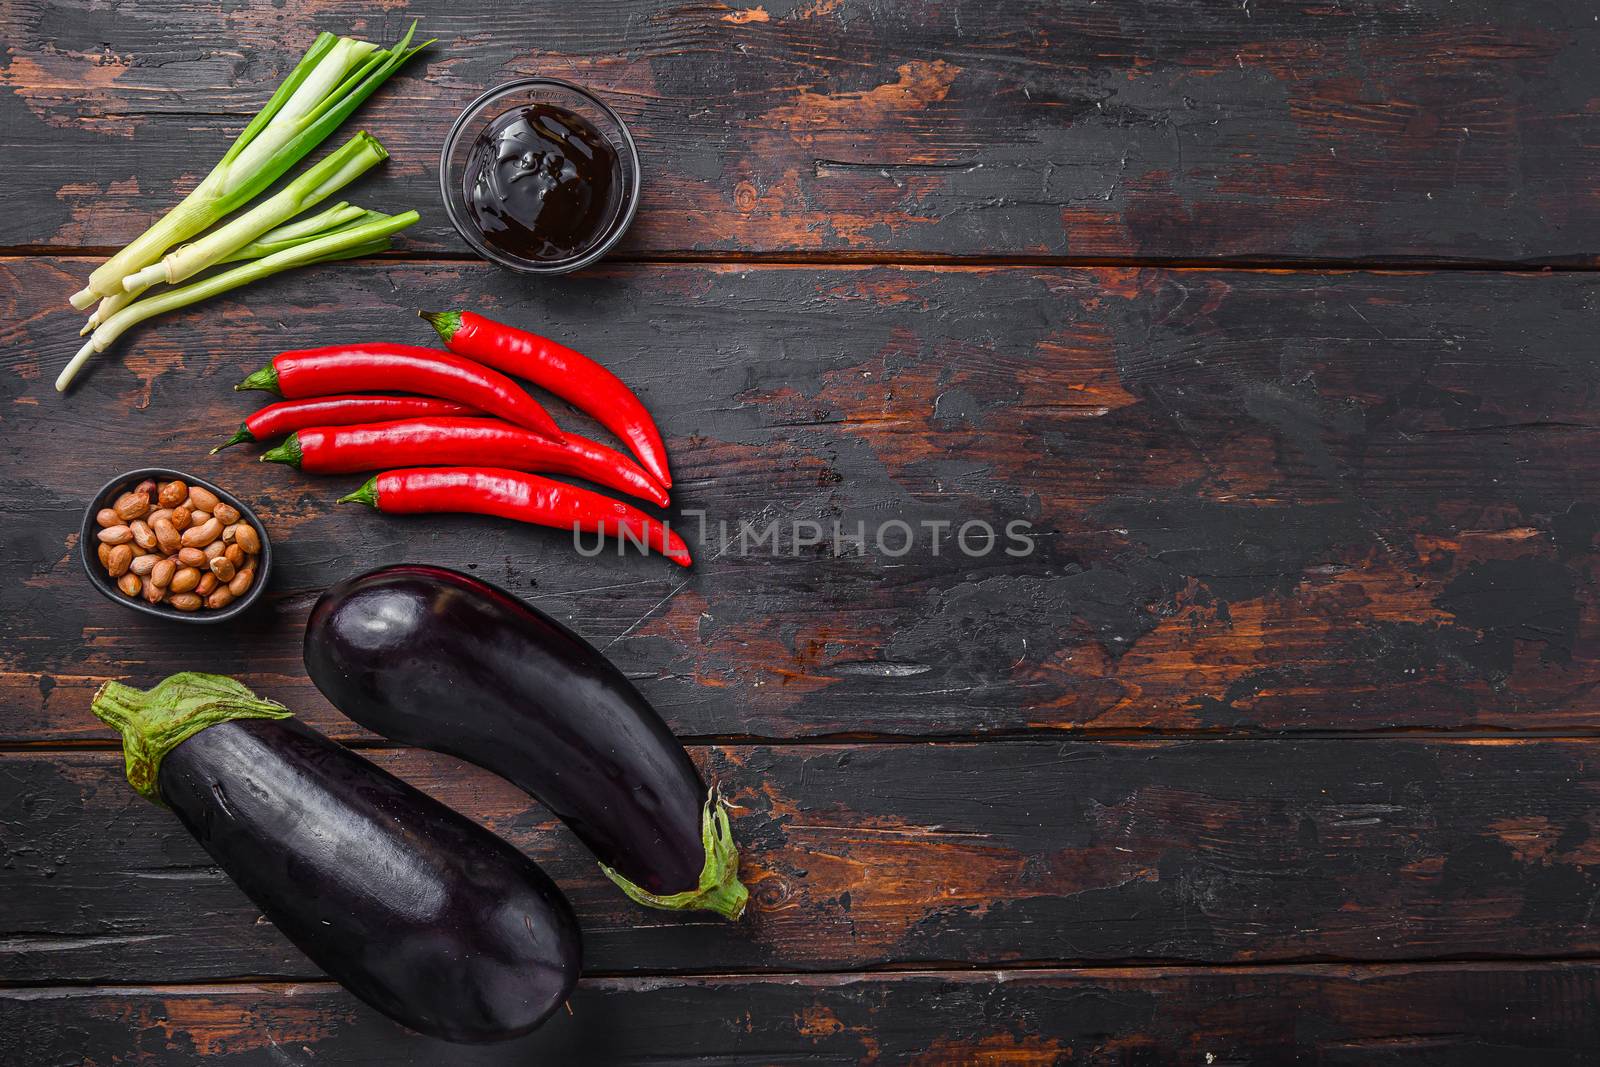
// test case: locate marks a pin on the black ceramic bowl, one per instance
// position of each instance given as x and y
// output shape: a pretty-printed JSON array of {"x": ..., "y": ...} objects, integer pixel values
[{"x": 89, "y": 547}]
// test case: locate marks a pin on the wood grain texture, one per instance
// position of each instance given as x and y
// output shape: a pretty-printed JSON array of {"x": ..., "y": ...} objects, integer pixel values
[
  {"x": 1460, "y": 1014},
  {"x": 1257, "y": 502},
  {"x": 1364, "y": 130},
  {"x": 865, "y": 856}
]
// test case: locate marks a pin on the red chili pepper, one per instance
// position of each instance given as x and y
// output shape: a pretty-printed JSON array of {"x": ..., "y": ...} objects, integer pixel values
[
  {"x": 406, "y": 368},
  {"x": 514, "y": 495},
  {"x": 570, "y": 375},
  {"x": 275, "y": 420},
  {"x": 436, "y": 442}
]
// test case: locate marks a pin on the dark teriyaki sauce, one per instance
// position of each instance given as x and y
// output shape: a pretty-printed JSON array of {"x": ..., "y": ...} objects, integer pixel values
[{"x": 542, "y": 184}]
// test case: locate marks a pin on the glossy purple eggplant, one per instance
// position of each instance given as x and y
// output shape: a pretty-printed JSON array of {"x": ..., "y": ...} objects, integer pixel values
[
  {"x": 431, "y": 657},
  {"x": 414, "y": 908}
]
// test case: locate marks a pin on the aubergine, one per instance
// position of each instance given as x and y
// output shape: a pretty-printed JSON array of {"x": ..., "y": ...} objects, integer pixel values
[
  {"x": 414, "y": 908},
  {"x": 432, "y": 657}
]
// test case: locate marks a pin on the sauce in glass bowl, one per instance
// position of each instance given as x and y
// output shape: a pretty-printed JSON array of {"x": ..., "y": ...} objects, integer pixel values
[
  {"x": 541, "y": 183},
  {"x": 540, "y": 176}
]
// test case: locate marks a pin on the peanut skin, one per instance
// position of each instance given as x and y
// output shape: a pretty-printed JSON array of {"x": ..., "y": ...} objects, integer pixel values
[
  {"x": 119, "y": 560},
  {"x": 203, "y": 534}
]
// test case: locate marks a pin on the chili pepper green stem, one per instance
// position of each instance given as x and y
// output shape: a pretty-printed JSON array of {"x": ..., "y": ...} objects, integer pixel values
[
  {"x": 367, "y": 494},
  {"x": 240, "y": 435},
  {"x": 265, "y": 379},
  {"x": 286, "y": 452},
  {"x": 446, "y": 322}
]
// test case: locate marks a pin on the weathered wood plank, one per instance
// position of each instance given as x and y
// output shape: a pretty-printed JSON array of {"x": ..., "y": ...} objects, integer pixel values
[
  {"x": 861, "y": 856},
  {"x": 1371, "y": 130},
  {"x": 1260, "y": 502},
  {"x": 1463, "y": 1014}
]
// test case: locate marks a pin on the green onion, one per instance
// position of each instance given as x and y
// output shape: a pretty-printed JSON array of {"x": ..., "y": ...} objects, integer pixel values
[
  {"x": 348, "y": 241},
  {"x": 334, "y": 218},
  {"x": 349, "y": 162},
  {"x": 331, "y": 80}
]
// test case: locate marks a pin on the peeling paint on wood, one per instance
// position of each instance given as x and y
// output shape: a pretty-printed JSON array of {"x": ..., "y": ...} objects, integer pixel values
[
  {"x": 870, "y": 855},
  {"x": 1266, "y": 502},
  {"x": 1459, "y": 1013},
  {"x": 1377, "y": 130}
]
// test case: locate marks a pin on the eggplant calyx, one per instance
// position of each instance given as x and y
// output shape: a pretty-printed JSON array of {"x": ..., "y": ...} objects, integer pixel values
[
  {"x": 155, "y": 721},
  {"x": 720, "y": 889}
]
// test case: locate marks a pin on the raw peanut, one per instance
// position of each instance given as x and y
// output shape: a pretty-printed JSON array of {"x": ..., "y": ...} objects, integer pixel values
[
  {"x": 103, "y": 550},
  {"x": 199, "y": 518},
  {"x": 158, "y": 513},
  {"x": 116, "y": 535},
  {"x": 241, "y": 581},
  {"x": 236, "y": 555},
  {"x": 107, "y": 517},
  {"x": 143, "y": 536},
  {"x": 191, "y": 557},
  {"x": 119, "y": 560},
  {"x": 130, "y": 584},
  {"x": 172, "y": 494},
  {"x": 226, "y": 512},
  {"x": 154, "y": 593},
  {"x": 203, "y": 534},
  {"x": 203, "y": 498},
  {"x": 215, "y": 549},
  {"x": 167, "y": 535},
  {"x": 223, "y": 568},
  {"x": 147, "y": 488},
  {"x": 182, "y": 517},
  {"x": 219, "y": 598},
  {"x": 208, "y": 582},
  {"x": 143, "y": 565},
  {"x": 131, "y": 505},
  {"x": 229, "y": 531},
  {"x": 185, "y": 580},
  {"x": 247, "y": 538},
  {"x": 185, "y": 602},
  {"x": 161, "y": 574}
]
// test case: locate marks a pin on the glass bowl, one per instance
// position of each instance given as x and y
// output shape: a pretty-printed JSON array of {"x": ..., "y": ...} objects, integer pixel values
[{"x": 453, "y": 160}]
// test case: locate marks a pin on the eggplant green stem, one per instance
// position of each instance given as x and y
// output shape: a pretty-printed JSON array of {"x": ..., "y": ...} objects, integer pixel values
[
  {"x": 719, "y": 888},
  {"x": 287, "y": 451},
  {"x": 446, "y": 322},
  {"x": 155, "y": 721},
  {"x": 367, "y": 494}
]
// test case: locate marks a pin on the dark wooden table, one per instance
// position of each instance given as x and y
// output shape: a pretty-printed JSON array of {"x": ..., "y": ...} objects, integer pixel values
[{"x": 1277, "y": 322}]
